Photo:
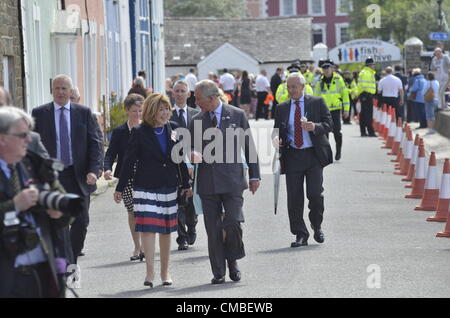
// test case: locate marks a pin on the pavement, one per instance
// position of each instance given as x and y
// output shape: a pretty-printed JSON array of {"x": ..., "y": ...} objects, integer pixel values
[{"x": 376, "y": 245}]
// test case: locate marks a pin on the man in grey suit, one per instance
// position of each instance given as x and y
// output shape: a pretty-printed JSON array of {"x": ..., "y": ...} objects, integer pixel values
[
  {"x": 301, "y": 127},
  {"x": 221, "y": 180},
  {"x": 35, "y": 145}
]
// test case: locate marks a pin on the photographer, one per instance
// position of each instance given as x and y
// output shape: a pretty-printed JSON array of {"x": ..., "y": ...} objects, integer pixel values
[{"x": 31, "y": 252}]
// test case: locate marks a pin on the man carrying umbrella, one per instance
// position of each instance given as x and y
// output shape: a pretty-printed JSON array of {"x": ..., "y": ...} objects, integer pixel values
[{"x": 301, "y": 126}]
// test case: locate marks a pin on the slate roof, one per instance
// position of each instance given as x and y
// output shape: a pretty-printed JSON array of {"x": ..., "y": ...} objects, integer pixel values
[{"x": 279, "y": 39}]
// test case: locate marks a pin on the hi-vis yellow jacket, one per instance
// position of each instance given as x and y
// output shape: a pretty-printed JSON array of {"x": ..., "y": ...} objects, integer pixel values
[
  {"x": 335, "y": 94},
  {"x": 366, "y": 81},
  {"x": 352, "y": 89},
  {"x": 282, "y": 93},
  {"x": 309, "y": 77}
]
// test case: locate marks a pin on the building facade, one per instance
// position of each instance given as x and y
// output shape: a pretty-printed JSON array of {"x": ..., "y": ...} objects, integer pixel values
[
  {"x": 330, "y": 22},
  {"x": 11, "y": 66}
]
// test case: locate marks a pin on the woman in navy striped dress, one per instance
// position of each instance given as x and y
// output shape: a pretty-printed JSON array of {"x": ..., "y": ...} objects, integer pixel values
[{"x": 156, "y": 182}]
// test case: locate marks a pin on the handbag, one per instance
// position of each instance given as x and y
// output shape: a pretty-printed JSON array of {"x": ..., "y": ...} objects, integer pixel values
[{"x": 429, "y": 95}]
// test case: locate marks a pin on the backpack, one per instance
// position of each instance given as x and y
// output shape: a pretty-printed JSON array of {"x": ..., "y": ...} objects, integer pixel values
[{"x": 429, "y": 95}]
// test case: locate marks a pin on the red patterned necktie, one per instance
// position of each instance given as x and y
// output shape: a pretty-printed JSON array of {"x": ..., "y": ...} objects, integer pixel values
[{"x": 298, "y": 131}]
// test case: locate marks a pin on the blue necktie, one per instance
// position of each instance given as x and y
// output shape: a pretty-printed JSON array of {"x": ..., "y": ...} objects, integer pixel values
[{"x": 64, "y": 139}]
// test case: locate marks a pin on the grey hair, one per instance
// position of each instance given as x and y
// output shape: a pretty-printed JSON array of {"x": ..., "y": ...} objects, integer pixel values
[
  {"x": 181, "y": 82},
  {"x": 299, "y": 76},
  {"x": 208, "y": 88},
  {"x": 10, "y": 115},
  {"x": 76, "y": 91},
  {"x": 139, "y": 81},
  {"x": 64, "y": 78},
  {"x": 389, "y": 70}
]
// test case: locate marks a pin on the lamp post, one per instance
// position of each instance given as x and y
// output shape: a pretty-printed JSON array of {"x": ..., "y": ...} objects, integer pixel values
[{"x": 440, "y": 15}]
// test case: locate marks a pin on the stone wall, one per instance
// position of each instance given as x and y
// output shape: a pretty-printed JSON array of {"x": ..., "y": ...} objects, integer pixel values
[{"x": 11, "y": 49}]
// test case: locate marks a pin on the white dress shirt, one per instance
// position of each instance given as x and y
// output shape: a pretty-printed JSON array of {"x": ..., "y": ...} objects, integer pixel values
[
  {"x": 177, "y": 109},
  {"x": 390, "y": 85},
  {"x": 227, "y": 80},
  {"x": 262, "y": 83}
]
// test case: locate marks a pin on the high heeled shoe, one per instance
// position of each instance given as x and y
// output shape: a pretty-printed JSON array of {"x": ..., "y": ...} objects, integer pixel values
[
  {"x": 148, "y": 283},
  {"x": 168, "y": 282},
  {"x": 141, "y": 256}
]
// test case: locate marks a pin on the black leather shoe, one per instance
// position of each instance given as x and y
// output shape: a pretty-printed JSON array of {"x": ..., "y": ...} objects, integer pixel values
[
  {"x": 235, "y": 273},
  {"x": 319, "y": 236},
  {"x": 191, "y": 238},
  {"x": 183, "y": 246},
  {"x": 299, "y": 241},
  {"x": 218, "y": 280},
  {"x": 338, "y": 156},
  {"x": 372, "y": 135}
]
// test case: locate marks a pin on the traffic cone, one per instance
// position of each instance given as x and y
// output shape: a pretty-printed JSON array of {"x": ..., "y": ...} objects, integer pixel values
[
  {"x": 431, "y": 193},
  {"x": 383, "y": 120},
  {"x": 446, "y": 232},
  {"x": 392, "y": 132},
  {"x": 376, "y": 118},
  {"x": 418, "y": 185},
  {"x": 404, "y": 164},
  {"x": 443, "y": 203},
  {"x": 386, "y": 123},
  {"x": 412, "y": 164},
  {"x": 397, "y": 139},
  {"x": 402, "y": 144}
]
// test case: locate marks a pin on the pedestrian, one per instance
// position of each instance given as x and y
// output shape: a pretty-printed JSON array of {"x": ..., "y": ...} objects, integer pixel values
[
  {"x": 391, "y": 89},
  {"x": 431, "y": 101},
  {"x": 332, "y": 88},
  {"x": 116, "y": 150},
  {"x": 352, "y": 92},
  {"x": 416, "y": 94},
  {"x": 70, "y": 134},
  {"x": 262, "y": 89},
  {"x": 245, "y": 93},
  {"x": 75, "y": 96},
  {"x": 301, "y": 127},
  {"x": 187, "y": 216},
  {"x": 139, "y": 87},
  {"x": 191, "y": 79},
  {"x": 399, "y": 73},
  {"x": 366, "y": 93},
  {"x": 440, "y": 64},
  {"x": 227, "y": 82},
  {"x": 31, "y": 265},
  {"x": 156, "y": 182},
  {"x": 275, "y": 81},
  {"x": 221, "y": 182}
]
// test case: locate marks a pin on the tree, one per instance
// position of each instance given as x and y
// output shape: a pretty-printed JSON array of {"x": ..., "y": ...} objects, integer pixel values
[{"x": 205, "y": 8}]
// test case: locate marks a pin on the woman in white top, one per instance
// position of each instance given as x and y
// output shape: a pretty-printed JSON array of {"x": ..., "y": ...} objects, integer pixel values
[{"x": 431, "y": 105}]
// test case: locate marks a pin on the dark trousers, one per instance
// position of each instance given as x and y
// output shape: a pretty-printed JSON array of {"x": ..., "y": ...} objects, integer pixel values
[
  {"x": 419, "y": 109},
  {"x": 261, "y": 108},
  {"x": 78, "y": 229},
  {"x": 336, "y": 116},
  {"x": 352, "y": 106},
  {"x": 191, "y": 100},
  {"x": 34, "y": 281},
  {"x": 219, "y": 224},
  {"x": 395, "y": 103},
  {"x": 410, "y": 113},
  {"x": 274, "y": 108},
  {"x": 187, "y": 220},
  {"x": 366, "y": 115},
  {"x": 301, "y": 164}
]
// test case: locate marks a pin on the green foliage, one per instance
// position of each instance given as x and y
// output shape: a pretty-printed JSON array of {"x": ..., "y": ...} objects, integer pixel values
[
  {"x": 205, "y": 8},
  {"x": 400, "y": 19},
  {"x": 117, "y": 116}
]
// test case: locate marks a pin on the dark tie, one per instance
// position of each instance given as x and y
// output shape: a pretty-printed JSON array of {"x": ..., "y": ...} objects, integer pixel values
[
  {"x": 64, "y": 139},
  {"x": 14, "y": 179},
  {"x": 213, "y": 120},
  {"x": 298, "y": 131},
  {"x": 181, "y": 116}
]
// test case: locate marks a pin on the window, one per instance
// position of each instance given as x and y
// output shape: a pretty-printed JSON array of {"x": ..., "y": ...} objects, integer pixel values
[
  {"x": 316, "y": 7},
  {"x": 143, "y": 5},
  {"x": 8, "y": 74},
  {"x": 288, "y": 7},
  {"x": 343, "y": 7},
  {"x": 342, "y": 33},
  {"x": 319, "y": 33}
]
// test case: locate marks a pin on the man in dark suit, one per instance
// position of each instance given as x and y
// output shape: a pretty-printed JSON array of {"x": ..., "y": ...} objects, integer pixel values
[
  {"x": 301, "y": 127},
  {"x": 70, "y": 134},
  {"x": 182, "y": 115},
  {"x": 221, "y": 180},
  {"x": 31, "y": 271}
]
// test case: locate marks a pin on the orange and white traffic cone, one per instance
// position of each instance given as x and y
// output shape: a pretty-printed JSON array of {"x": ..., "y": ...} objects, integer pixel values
[
  {"x": 401, "y": 151},
  {"x": 376, "y": 118},
  {"x": 431, "y": 193},
  {"x": 382, "y": 122},
  {"x": 443, "y": 203},
  {"x": 446, "y": 232},
  {"x": 391, "y": 132},
  {"x": 387, "y": 123},
  {"x": 418, "y": 185},
  {"x": 397, "y": 139},
  {"x": 404, "y": 164},
  {"x": 412, "y": 165}
]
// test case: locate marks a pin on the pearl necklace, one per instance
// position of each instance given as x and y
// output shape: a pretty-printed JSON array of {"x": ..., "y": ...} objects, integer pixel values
[{"x": 156, "y": 132}]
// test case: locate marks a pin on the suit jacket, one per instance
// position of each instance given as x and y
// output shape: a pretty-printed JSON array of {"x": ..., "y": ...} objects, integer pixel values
[
  {"x": 117, "y": 146},
  {"x": 154, "y": 169},
  {"x": 219, "y": 178},
  {"x": 87, "y": 145},
  {"x": 191, "y": 112},
  {"x": 318, "y": 113},
  {"x": 47, "y": 226}
]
